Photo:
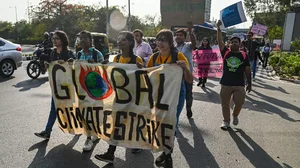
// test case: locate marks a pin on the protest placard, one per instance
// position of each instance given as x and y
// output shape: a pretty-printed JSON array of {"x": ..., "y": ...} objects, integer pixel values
[
  {"x": 233, "y": 15},
  {"x": 259, "y": 29},
  {"x": 207, "y": 63}
]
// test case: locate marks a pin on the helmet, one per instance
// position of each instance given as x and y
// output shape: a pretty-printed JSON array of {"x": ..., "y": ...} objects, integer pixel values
[
  {"x": 46, "y": 35},
  {"x": 51, "y": 34}
]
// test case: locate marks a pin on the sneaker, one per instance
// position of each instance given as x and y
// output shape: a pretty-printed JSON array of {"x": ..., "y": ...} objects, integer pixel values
[
  {"x": 42, "y": 134},
  {"x": 199, "y": 83},
  {"x": 106, "y": 157},
  {"x": 235, "y": 120},
  {"x": 189, "y": 113},
  {"x": 225, "y": 125},
  {"x": 203, "y": 85},
  {"x": 168, "y": 161},
  {"x": 135, "y": 151},
  {"x": 160, "y": 160},
  {"x": 88, "y": 145}
]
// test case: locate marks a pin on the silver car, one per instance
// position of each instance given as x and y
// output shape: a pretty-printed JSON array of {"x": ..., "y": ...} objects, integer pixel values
[{"x": 10, "y": 57}]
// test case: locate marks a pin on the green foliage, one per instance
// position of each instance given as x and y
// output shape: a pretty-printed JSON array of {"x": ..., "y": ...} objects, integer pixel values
[
  {"x": 287, "y": 65},
  {"x": 270, "y": 12},
  {"x": 296, "y": 44},
  {"x": 51, "y": 15},
  {"x": 275, "y": 32}
]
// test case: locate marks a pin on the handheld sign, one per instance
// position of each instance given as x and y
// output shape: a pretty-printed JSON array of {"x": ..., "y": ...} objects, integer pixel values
[
  {"x": 233, "y": 15},
  {"x": 259, "y": 29}
]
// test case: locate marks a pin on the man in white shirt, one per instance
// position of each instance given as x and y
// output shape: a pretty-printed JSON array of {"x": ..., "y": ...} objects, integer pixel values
[{"x": 141, "y": 48}]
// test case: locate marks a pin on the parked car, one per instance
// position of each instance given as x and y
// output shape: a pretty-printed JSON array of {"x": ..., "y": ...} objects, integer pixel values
[{"x": 10, "y": 57}]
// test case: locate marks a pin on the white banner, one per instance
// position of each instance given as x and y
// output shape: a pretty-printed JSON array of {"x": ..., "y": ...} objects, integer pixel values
[{"x": 119, "y": 103}]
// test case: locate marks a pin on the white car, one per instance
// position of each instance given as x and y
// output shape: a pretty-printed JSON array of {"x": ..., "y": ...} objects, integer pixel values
[{"x": 10, "y": 57}]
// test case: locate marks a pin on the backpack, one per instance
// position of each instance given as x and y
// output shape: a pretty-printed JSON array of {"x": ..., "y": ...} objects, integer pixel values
[
  {"x": 228, "y": 51},
  {"x": 174, "y": 55},
  {"x": 132, "y": 60},
  {"x": 95, "y": 55}
]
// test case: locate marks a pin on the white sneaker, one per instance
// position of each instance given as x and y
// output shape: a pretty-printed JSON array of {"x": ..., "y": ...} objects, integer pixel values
[
  {"x": 88, "y": 145},
  {"x": 94, "y": 138},
  {"x": 225, "y": 125},
  {"x": 235, "y": 120}
]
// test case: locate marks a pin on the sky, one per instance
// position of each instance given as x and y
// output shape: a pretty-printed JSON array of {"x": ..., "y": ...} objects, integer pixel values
[{"x": 138, "y": 7}]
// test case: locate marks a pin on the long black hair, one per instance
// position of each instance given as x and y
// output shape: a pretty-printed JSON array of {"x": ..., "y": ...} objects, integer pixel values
[
  {"x": 63, "y": 38},
  {"x": 202, "y": 45},
  {"x": 129, "y": 36}
]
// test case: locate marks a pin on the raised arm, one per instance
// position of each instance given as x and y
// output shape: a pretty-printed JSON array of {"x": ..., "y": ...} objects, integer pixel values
[
  {"x": 219, "y": 36},
  {"x": 192, "y": 36}
]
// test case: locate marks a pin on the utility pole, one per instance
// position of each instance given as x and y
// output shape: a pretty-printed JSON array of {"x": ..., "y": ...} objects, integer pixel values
[
  {"x": 129, "y": 17},
  {"x": 107, "y": 18}
]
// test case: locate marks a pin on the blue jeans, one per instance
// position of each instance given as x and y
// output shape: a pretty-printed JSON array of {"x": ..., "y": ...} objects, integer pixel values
[
  {"x": 253, "y": 65},
  {"x": 181, "y": 101},
  {"x": 51, "y": 118}
]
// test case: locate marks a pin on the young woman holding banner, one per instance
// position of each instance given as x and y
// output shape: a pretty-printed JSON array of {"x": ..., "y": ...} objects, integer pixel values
[
  {"x": 169, "y": 54},
  {"x": 205, "y": 45},
  {"x": 126, "y": 44},
  {"x": 61, "y": 54}
]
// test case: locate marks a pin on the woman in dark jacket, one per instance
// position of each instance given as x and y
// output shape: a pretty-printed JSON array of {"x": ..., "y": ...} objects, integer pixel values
[
  {"x": 61, "y": 53},
  {"x": 205, "y": 45}
]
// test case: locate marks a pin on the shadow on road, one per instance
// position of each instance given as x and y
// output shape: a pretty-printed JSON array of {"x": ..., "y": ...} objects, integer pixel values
[
  {"x": 61, "y": 156},
  {"x": 209, "y": 96},
  {"x": 252, "y": 151},
  {"x": 197, "y": 155},
  {"x": 259, "y": 83},
  {"x": 266, "y": 108},
  {"x": 31, "y": 83},
  {"x": 6, "y": 79}
]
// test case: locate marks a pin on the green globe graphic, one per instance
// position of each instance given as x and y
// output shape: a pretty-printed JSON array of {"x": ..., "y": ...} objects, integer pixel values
[{"x": 95, "y": 84}]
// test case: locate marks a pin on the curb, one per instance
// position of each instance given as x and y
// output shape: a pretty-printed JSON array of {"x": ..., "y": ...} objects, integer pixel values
[{"x": 290, "y": 80}]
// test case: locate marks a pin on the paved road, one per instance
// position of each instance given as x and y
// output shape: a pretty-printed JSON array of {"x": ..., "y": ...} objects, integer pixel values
[{"x": 268, "y": 134}]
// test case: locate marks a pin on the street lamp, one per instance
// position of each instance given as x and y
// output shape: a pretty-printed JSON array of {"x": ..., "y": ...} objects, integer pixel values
[
  {"x": 129, "y": 17},
  {"x": 107, "y": 18},
  {"x": 16, "y": 11}
]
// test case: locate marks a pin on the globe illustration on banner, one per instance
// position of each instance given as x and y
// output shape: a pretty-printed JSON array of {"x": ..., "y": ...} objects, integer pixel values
[{"x": 95, "y": 84}]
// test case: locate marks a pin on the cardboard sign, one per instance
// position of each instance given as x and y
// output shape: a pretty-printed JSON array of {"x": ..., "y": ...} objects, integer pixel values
[
  {"x": 179, "y": 12},
  {"x": 233, "y": 15},
  {"x": 259, "y": 29}
]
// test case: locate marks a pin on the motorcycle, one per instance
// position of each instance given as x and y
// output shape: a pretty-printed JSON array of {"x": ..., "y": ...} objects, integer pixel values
[{"x": 36, "y": 67}]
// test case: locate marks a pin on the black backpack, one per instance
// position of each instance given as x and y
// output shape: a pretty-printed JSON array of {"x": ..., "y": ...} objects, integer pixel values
[
  {"x": 174, "y": 55},
  {"x": 95, "y": 55},
  {"x": 132, "y": 60}
]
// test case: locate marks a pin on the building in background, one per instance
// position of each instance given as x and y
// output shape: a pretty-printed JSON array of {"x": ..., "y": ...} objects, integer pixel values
[{"x": 207, "y": 10}]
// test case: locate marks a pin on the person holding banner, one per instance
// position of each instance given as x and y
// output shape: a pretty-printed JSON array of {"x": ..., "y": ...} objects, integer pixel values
[
  {"x": 61, "y": 53},
  {"x": 126, "y": 44},
  {"x": 92, "y": 55},
  {"x": 235, "y": 65},
  {"x": 186, "y": 48},
  {"x": 205, "y": 45},
  {"x": 168, "y": 54}
]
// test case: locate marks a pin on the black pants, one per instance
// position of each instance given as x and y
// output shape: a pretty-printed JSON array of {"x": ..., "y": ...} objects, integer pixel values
[
  {"x": 202, "y": 80},
  {"x": 189, "y": 95},
  {"x": 266, "y": 57}
]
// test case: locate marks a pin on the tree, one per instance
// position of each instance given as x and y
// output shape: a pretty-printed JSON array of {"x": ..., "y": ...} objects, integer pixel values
[
  {"x": 275, "y": 32},
  {"x": 5, "y": 29},
  {"x": 270, "y": 12}
]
